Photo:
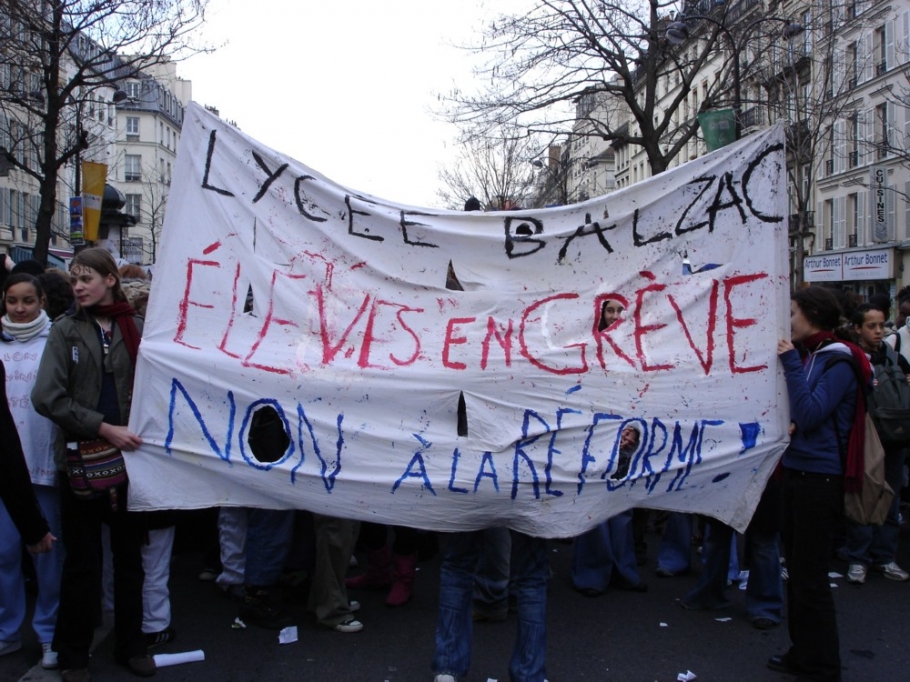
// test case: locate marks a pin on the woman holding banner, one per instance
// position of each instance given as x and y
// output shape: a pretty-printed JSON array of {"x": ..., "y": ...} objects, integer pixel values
[
  {"x": 84, "y": 385},
  {"x": 823, "y": 391}
]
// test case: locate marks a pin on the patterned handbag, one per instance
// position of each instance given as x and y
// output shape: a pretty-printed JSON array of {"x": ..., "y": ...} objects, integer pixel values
[{"x": 94, "y": 466}]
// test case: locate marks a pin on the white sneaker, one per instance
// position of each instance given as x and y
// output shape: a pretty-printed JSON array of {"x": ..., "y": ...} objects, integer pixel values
[
  {"x": 350, "y": 625},
  {"x": 10, "y": 647},
  {"x": 856, "y": 574},
  {"x": 48, "y": 657},
  {"x": 445, "y": 678},
  {"x": 892, "y": 571}
]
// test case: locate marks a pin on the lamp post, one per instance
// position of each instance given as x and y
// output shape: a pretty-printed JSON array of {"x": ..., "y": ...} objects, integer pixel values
[{"x": 678, "y": 33}]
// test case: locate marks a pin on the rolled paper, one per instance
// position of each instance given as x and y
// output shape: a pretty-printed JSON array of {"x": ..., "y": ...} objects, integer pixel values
[{"x": 165, "y": 660}]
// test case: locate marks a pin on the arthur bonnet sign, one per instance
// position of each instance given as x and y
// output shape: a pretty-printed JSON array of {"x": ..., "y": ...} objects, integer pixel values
[
  {"x": 303, "y": 348},
  {"x": 849, "y": 266}
]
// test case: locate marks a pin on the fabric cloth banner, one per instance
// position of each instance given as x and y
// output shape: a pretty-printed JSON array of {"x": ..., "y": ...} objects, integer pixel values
[{"x": 313, "y": 347}]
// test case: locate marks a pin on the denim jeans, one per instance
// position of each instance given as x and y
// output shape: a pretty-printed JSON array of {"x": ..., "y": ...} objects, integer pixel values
[
  {"x": 454, "y": 624},
  {"x": 812, "y": 508},
  {"x": 491, "y": 578},
  {"x": 605, "y": 553},
  {"x": 268, "y": 543},
  {"x": 878, "y": 544},
  {"x": 709, "y": 592},
  {"x": 675, "y": 548}
]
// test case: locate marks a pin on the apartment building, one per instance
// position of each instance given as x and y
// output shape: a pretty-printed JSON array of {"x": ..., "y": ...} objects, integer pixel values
[{"x": 149, "y": 122}]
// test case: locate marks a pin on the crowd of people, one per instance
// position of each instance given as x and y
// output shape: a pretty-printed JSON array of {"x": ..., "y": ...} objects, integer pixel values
[{"x": 69, "y": 345}]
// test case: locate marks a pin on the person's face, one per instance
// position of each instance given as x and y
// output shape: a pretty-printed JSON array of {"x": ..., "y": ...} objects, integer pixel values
[
  {"x": 22, "y": 303},
  {"x": 628, "y": 439},
  {"x": 872, "y": 329},
  {"x": 91, "y": 288},
  {"x": 800, "y": 327},
  {"x": 903, "y": 312},
  {"x": 610, "y": 313}
]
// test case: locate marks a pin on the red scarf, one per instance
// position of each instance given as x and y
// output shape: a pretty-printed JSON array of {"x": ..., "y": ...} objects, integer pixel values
[
  {"x": 855, "y": 465},
  {"x": 122, "y": 313}
]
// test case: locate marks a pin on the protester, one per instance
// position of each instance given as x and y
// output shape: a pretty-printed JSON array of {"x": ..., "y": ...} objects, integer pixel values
[
  {"x": 825, "y": 401},
  {"x": 453, "y": 622},
  {"x": 605, "y": 555},
  {"x": 392, "y": 567},
  {"x": 335, "y": 540},
  {"x": 21, "y": 520},
  {"x": 84, "y": 385},
  {"x": 876, "y": 546},
  {"x": 25, "y": 331},
  {"x": 58, "y": 292},
  {"x": 900, "y": 340}
]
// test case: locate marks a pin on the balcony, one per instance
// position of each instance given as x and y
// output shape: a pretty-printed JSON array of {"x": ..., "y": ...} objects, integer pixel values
[
  {"x": 829, "y": 244},
  {"x": 853, "y": 159},
  {"x": 881, "y": 68},
  {"x": 751, "y": 117},
  {"x": 829, "y": 166},
  {"x": 852, "y": 240}
]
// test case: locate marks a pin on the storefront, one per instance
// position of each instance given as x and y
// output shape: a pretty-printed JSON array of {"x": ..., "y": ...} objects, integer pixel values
[{"x": 865, "y": 272}]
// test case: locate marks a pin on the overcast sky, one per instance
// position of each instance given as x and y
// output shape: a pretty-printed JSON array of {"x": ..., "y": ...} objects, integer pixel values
[{"x": 346, "y": 87}]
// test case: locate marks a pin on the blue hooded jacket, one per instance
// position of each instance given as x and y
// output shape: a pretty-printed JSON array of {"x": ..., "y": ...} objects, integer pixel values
[{"x": 821, "y": 391}]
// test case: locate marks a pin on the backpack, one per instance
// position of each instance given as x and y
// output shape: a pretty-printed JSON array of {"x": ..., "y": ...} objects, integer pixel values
[
  {"x": 871, "y": 505},
  {"x": 889, "y": 401}
]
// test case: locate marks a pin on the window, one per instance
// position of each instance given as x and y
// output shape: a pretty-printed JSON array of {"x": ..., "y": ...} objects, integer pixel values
[
  {"x": 132, "y": 126},
  {"x": 882, "y": 130},
  {"x": 880, "y": 50},
  {"x": 852, "y": 65},
  {"x": 132, "y": 89},
  {"x": 853, "y": 135},
  {"x": 132, "y": 168},
  {"x": 133, "y": 206}
]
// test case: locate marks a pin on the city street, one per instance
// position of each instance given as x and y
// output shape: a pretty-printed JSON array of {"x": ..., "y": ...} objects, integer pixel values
[{"x": 622, "y": 636}]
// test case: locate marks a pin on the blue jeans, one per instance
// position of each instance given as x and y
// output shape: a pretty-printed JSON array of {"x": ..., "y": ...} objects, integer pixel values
[
  {"x": 675, "y": 548},
  {"x": 268, "y": 542},
  {"x": 454, "y": 624},
  {"x": 605, "y": 553},
  {"x": 765, "y": 589},
  {"x": 491, "y": 578},
  {"x": 48, "y": 570},
  {"x": 878, "y": 544},
  {"x": 709, "y": 592}
]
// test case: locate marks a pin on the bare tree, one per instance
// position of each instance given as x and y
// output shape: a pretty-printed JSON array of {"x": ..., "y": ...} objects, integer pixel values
[
  {"x": 545, "y": 60},
  {"x": 495, "y": 168},
  {"x": 65, "y": 58}
]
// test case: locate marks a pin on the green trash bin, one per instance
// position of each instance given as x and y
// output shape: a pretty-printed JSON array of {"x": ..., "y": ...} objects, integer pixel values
[{"x": 718, "y": 127}]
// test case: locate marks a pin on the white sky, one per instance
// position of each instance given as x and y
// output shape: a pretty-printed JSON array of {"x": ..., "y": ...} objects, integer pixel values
[{"x": 345, "y": 86}]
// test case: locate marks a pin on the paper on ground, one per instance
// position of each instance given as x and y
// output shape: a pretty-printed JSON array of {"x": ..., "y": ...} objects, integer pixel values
[
  {"x": 687, "y": 676},
  {"x": 288, "y": 635},
  {"x": 165, "y": 660}
]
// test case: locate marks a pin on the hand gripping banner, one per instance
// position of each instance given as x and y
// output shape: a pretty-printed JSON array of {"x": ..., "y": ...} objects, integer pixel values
[{"x": 309, "y": 346}]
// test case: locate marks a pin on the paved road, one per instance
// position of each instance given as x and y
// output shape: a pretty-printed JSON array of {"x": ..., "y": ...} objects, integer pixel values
[{"x": 622, "y": 636}]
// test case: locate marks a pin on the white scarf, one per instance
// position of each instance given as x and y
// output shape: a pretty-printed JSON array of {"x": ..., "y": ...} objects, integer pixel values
[{"x": 25, "y": 331}]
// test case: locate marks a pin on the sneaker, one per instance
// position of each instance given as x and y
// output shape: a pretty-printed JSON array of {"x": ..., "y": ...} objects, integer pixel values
[
  {"x": 10, "y": 647},
  {"x": 142, "y": 666},
  {"x": 892, "y": 571},
  {"x": 354, "y": 605},
  {"x": 350, "y": 624},
  {"x": 153, "y": 639},
  {"x": 856, "y": 574},
  {"x": 48, "y": 656},
  {"x": 445, "y": 678}
]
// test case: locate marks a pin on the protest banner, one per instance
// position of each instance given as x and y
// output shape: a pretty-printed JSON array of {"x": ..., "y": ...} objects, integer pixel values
[{"x": 303, "y": 350}]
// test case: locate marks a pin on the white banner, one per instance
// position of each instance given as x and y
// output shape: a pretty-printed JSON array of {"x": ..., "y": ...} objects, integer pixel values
[{"x": 353, "y": 344}]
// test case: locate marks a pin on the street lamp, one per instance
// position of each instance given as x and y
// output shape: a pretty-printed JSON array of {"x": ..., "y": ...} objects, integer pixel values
[{"x": 678, "y": 33}]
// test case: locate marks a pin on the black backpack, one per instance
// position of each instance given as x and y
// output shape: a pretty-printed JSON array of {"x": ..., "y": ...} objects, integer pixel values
[{"x": 889, "y": 401}]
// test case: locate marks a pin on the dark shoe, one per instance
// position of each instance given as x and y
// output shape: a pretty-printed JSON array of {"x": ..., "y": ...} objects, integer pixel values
[
  {"x": 256, "y": 612},
  {"x": 157, "y": 638},
  {"x": 783, "y": 664},
  {"x": 764, "y": 624},
  {"x": 76, "y": 675},
  {"x": 142, "y": 666}
]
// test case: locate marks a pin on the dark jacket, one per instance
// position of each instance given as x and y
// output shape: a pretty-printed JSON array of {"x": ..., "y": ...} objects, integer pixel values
[
  {"x": 821, "y": 393},
  {"x": 68, "y": 385},
  {"x": 15, "y": 485}
]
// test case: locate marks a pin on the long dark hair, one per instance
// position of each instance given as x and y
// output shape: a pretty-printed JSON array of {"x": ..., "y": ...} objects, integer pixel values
[{"x": 819, "y": 306}]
